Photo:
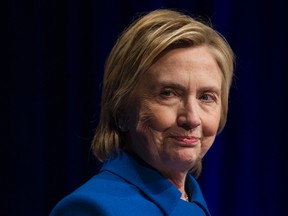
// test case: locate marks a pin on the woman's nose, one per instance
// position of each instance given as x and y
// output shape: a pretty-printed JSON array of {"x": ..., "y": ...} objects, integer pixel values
[{"x": 189, "y": 116}]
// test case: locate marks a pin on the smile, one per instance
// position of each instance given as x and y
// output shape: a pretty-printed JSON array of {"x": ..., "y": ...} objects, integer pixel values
[{"x": 186, "y": 140}]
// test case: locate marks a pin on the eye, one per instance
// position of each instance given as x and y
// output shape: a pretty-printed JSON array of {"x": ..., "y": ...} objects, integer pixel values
[
  {"x": 207, "y": 97},
  {"x": 167, "y": 93}
]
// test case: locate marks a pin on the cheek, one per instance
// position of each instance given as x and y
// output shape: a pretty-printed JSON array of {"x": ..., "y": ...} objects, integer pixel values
[
  {"x": 210, "y": 129},
  {"x": 210, "y": 123},
  {"x": 157, "y": 118}
]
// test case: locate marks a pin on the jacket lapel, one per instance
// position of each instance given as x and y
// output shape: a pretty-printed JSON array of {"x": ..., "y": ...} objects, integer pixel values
[{"x": 157, "y": 188}]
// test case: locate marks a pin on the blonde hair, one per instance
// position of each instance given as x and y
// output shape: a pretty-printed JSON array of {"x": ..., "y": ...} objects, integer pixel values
[{"x": 147, "y": 39}]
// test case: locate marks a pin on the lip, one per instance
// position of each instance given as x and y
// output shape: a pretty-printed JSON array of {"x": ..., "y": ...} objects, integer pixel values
[{"x": 186, "y": 140}]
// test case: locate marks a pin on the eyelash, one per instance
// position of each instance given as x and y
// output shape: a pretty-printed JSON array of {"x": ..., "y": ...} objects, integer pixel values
[
  {"x": 211, "y": 97},
  {"x": 168, "y": 93}
]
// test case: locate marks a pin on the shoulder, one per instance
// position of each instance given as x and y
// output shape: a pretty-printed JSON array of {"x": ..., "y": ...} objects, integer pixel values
[
  {"x": 104, "y": 194},
  {"x": 80, "y": 204},
  {"x": 106, "y": 184}
]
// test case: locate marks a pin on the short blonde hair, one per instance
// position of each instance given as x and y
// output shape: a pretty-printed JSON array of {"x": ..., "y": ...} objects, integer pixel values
[{"x": 147, "y": 39}]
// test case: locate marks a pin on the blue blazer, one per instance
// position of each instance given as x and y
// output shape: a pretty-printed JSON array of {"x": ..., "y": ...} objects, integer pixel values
[{"x": 127, "y": 186}]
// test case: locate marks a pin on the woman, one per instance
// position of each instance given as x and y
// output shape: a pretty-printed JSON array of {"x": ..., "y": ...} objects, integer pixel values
[{"x": 165, "y": 98}]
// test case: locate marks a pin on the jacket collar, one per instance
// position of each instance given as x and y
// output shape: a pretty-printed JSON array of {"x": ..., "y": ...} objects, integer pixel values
[{"x": 152, "y": 183}]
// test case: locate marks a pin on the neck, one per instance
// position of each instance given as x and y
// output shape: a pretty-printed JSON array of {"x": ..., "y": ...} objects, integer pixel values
[
  {"x": 179, "y": 183},
  {"x": 176, "y": 176}
]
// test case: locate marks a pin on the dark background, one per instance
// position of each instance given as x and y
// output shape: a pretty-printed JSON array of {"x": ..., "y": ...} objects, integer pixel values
[{"x": 53, "y": 53}]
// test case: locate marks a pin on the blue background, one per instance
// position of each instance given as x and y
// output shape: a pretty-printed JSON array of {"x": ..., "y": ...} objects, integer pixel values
[{"x": 53, "y": 54}]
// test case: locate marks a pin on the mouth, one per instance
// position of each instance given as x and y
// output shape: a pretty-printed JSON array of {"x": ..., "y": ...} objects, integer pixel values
[{"x": 188, "y": 141}]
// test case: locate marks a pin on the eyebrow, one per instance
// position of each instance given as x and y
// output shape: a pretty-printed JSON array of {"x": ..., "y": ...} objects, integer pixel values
[
  {"x": 207, "y": 88},
  {"x": 172, "y": 85}
]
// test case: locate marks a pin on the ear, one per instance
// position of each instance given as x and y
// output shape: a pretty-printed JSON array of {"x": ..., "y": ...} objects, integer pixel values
[
  {"x": 122, "y": 122},
  {"x": 123, "y": 125}
]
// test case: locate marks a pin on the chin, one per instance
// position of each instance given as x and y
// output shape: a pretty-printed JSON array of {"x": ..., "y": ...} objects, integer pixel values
[{"x": 190, "y": 157}]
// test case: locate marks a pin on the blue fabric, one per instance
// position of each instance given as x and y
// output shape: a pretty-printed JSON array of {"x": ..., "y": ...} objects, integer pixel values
[{"x": 128, "y": 186}]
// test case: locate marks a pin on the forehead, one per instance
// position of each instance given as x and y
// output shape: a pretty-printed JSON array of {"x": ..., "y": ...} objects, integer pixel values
[{"x": 185, "y": 65}]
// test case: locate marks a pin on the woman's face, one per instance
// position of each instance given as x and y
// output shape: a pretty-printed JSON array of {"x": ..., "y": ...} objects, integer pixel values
[{"x": 177, "y": 109}]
